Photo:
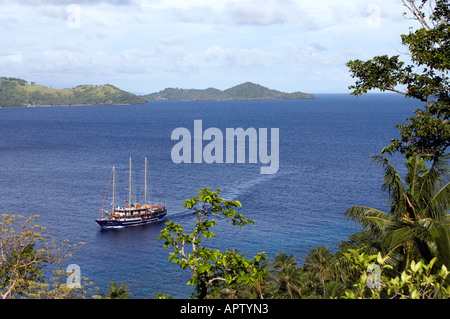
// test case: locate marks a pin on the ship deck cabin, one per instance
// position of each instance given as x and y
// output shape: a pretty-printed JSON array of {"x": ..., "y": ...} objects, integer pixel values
[{"x": 135, "y": 210}]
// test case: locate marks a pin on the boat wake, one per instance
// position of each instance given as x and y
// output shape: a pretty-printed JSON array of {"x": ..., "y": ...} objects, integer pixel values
[
  {"x": 250, "y": 186},
  {"x": 178, "y": 215}
]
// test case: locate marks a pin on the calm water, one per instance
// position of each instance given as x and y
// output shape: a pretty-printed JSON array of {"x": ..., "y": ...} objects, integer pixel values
[{"x": 56, "y": 162}]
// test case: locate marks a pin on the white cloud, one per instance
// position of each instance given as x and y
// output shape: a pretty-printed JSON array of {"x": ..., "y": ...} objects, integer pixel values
[
  {"x": 192, "y": 41},
  {"x": 14, "y": 58},
  {"x": 197, "y": 15},
  {"x": 66, "y": 2},
  {"x": 216, "y": 56},
  {"x": 258, "y": 12}
]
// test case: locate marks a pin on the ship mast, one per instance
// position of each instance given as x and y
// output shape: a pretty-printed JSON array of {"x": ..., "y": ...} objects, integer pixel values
[
  {"x": 114, "y": 187},
  {"x": 129, "y": 194},
  {"x": 145, "y": 192}
]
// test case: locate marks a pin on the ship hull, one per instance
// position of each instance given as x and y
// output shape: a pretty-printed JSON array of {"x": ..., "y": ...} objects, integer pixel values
[{"x": 130, "y": 221}]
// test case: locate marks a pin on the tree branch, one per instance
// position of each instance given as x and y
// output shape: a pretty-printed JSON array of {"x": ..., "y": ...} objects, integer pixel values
[{"x": 419, "y": 16}]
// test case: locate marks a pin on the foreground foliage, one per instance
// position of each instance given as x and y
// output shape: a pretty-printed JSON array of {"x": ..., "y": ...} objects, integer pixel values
[
  {"x": 25, "y": 249},
  {"x": 115, "y": 291},
  {"x": 418, "y": 224},
  {"x": 348, "y": 273},
  {"x": 214, "y": 273},
  {"x": 427, "y": 133},
  {"x": 419, "y": 281}
]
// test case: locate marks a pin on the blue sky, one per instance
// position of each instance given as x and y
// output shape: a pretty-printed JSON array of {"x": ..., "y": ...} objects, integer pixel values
[{"x": 143, "y": 46}]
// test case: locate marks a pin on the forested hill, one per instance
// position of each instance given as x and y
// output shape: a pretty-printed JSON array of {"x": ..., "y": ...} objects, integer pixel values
[
  {"x": 244, "y": 91},
  {"x": 18, "y": 92}
]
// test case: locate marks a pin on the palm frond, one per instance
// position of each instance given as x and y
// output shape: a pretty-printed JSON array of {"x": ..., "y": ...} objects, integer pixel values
[
  {"x": 399, "y": 233},
  {"x": 418, "y": 222},
  {"x": 393, "y": 184},
  {"x": 369, "y": 217},
  {"x": 432, "y": 183},
  {"x": 442, "y": 167},
  {"x": 440, "y": 203},
  {"x": 441, "y": 238},
  {"x": 416, "y": 171}
]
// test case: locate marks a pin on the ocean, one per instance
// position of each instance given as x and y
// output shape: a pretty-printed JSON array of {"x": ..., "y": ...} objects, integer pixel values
[{"x": 56, "y": 161}]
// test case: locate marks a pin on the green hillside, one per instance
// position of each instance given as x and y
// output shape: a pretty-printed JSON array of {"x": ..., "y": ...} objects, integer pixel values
[
  {"x": 244, "y": 91},
  {"x": 17, "y": 92}
]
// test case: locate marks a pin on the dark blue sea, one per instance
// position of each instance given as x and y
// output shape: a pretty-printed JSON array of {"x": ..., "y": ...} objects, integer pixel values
[{"x": 56, "y": 162}]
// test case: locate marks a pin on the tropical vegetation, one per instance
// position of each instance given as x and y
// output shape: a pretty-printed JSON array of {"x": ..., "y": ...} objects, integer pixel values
[
  {"x": 214, "y": 273},
  {"x": 403, "y": 253},
  {"x": 418, "y": 223},
  {"x": 427, "y": 132},
  {"x": 416, "y": 267},
  {"x": 115, "y": 291}
]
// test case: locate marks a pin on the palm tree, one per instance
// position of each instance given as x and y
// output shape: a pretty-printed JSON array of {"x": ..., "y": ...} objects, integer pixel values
[
  {"x": 117, "y": 292},
  {"x": 320, "y": 263},
  {"x": 418, "y": 223},
  {"x": 287, "y": 276}
]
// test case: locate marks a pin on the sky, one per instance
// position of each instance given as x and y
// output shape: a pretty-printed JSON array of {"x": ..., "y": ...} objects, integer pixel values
[{"x": 144, "y": 46}]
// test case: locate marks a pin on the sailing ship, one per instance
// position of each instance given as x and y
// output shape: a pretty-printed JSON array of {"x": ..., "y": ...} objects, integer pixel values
[{"x": 132, "y": 214}]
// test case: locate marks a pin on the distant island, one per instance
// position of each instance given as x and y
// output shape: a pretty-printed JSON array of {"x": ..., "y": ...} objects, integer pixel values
[
  {"x": 17, "y": 92},
  {"x": 244, "y": 91}
]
